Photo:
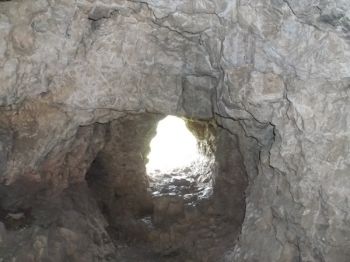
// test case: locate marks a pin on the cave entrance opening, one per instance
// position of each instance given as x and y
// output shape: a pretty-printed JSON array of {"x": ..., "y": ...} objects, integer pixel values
[
  {"x": 173, "y": 147},
  {"x": 177, "y": 167}
]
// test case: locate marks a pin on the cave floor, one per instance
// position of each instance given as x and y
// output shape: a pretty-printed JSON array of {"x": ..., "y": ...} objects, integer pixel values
[{"x": 184, "y": 225}]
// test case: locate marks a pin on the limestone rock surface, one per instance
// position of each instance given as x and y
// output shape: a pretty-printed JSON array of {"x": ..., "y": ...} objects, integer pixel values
[{"x": 275, "y": 74}]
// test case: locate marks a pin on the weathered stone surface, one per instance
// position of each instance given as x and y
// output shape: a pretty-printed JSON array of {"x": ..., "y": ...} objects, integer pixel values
[
  {"x": 273, "y": 73},
  {"x": 119, "y": 180}
]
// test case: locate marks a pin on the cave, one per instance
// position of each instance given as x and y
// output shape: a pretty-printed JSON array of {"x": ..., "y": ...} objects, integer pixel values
[
  {"x": 183, "y": 212},
  {"x": 261, "y": 87}
]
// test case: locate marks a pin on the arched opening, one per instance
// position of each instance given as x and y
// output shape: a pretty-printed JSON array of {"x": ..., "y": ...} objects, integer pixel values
[
  {"x": 157, "y": 208},
  {"x": 173, "y": 147},
  {"x": 177, "y": 167}
]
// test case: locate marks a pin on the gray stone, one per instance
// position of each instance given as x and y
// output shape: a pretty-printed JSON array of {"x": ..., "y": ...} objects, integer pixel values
[{"x": 272, "y": 74}]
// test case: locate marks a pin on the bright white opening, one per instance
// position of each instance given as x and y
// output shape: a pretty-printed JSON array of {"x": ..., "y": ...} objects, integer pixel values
[{"x": 173, "y": 146}]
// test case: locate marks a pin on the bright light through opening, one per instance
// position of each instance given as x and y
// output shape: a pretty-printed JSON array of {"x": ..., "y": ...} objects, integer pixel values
[{"x": 173, "y": 147}]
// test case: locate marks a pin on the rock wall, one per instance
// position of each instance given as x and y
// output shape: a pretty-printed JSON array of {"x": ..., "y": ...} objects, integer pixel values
[
  {"x": 118, "y": 174},
  {"x": 275, "y": 73}
]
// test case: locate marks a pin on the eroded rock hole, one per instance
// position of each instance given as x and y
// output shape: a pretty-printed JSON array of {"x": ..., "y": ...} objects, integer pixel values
[
  {"x": 173, "y": 147},
  {"x": 189, "y": 210}
]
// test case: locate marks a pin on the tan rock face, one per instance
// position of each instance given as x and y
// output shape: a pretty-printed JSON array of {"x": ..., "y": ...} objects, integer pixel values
[
  {"x": 23, "y": 39},
  {"x": 272, "y": 76}
]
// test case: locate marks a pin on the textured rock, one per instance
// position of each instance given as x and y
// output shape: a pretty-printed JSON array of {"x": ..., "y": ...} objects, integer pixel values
[
  {"x": 118, "y": 174},
  {"x": 273, "y": 73}
]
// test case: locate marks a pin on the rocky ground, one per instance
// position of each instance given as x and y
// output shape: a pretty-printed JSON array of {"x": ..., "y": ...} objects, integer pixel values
[{"x": 184, "y": 225}]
